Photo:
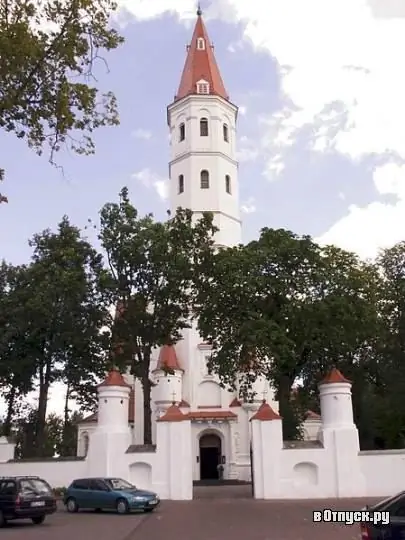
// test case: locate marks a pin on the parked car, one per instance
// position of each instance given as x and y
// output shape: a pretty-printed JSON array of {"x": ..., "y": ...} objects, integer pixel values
[
  {"x": 108, "y": 494},
  {"x": 25, "y": 497},
  {"x": 395, "y": 529}
]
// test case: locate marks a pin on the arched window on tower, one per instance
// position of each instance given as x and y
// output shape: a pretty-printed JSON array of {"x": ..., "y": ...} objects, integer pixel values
[
  {"x": 204, "y": 127},
  {"x": 181, "y": 183},
  {"x": 225, "y": 130},
  {"x": 228, "y": 183},
  {"x": 204, "y": 179},
  {"x": 182, "y": 132}
]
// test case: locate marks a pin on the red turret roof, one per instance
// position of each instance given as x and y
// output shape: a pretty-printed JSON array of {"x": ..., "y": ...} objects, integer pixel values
[
  {"x": 168, "y": 358},
  {"x": 334, "y": 376},
  {"x": 200, "y": 65},
  {"x": 114, "y": 378}
]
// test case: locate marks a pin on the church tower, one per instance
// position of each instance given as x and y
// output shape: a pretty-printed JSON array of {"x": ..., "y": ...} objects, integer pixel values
[{"x": 203, "y": 169}]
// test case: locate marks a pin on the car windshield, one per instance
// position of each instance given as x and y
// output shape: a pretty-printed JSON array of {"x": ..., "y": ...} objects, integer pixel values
[
  {"x": 119, "y": 484},
  {"x": 34, "y": 486}
]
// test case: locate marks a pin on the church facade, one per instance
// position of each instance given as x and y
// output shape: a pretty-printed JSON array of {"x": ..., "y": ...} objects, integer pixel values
[{"x": 202, "y": 121}]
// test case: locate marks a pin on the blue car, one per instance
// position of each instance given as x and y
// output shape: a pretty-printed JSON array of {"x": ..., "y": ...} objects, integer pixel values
[{"x": 108, "y": 494}]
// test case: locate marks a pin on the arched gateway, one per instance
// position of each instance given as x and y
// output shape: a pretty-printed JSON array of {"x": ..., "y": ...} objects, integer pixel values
[{"x": 210, "y": 456}]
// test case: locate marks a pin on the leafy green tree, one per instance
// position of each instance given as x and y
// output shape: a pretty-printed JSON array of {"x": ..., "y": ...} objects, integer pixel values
[
  {"x": 285, "y": 308},
  {"x": 17, "y": 365},
  {"x": 48, "y": 52},
  {"x": 64, "y": 314},
  {"x": 153, "y": 267},
  {"x": 387, "y": 403}
]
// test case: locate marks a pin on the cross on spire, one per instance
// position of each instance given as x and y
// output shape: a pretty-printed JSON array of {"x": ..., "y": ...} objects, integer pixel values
[{"x": 199, "y": 10}]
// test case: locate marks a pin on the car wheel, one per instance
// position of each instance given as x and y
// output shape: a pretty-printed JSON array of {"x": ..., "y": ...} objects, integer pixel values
[
  {"x": 3, "y": 521},
  {"x": 148, "y": 509},
  {"x": 122, "y": 506},
  {"x": 37, "y": 520},
  {"x": 71, "y": 505}
]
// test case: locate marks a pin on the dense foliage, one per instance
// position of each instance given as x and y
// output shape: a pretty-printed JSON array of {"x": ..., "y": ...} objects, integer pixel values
[
  {"x": 281, "y": 306},
  {"x": 48, "y": 53}
]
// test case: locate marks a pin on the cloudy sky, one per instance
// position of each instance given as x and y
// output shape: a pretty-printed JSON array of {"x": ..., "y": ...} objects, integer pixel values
[{"x": 320, "y": 86}]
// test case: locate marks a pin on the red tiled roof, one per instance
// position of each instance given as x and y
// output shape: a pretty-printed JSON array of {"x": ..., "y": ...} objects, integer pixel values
[
  {"x": 311, "y": 415},
  {"x": 201, "y": 64},
  {"x": 265, "y": 413},
  {"x": 168, "y": 358},
  {"x": 235, "y": 403},
  {"x": 173, "y": 414},
  {"x": 184, "y": 404},
  {"x": 114, "y": 378},
  {"x": 334, "y": 376}
]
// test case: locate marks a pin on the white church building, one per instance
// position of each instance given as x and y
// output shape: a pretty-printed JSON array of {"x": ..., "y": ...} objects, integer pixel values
[{"x": 197, "y": 425}]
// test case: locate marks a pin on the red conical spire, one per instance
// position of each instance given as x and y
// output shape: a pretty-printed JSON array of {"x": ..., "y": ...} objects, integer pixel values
[{"x": 201, "y": 65}]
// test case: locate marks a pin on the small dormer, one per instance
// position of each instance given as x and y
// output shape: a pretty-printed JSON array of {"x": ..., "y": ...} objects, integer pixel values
[
  {"x": 203, "y": 87},
  {"x": 200, "y": 44}
]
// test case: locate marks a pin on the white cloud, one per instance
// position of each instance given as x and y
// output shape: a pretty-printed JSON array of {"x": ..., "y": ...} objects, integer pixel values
[
  {"x": 242, "y": 110},
  {"x": 152, "y": 180},
  {"x": 142, "y": 134},
  {"x": 377, "y": 225},
  {"x": 340, "y": 73},
  {"x": 249, "y": 206},
  {"x": 247, "y": 150}
]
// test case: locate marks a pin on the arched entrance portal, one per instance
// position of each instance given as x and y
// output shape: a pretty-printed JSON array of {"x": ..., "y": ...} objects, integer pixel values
[{"x": 210, "y": 456}]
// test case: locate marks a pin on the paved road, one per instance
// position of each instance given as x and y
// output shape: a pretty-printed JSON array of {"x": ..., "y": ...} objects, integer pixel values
[{"x": 205, "y": 518}]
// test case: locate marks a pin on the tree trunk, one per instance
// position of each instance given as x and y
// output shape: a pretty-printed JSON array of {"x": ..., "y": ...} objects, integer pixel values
[
  {"x": 66, "y": 421},
  {"x": 147, "y": 410},
  {"x": 290, "y": 422},
  {"x": 10, "y": 412},
  {"x": 44, "y": 383}
]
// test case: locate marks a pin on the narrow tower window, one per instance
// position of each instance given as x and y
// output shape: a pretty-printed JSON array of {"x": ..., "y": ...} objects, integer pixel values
[
  {"x": 203, "y": 88},
  {"x": 182, "y": 132},
  {"x": 226, "y": 132},
  {"x": 228, "y": 183},
  {"x": 181, "y": 183},
  {"x": 204, "y": 180},
  {"x": 204, "y": 127},
  {"x": 200, "y": 44}
]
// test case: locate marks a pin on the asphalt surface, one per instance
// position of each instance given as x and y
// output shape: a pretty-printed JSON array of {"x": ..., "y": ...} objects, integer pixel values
[{"x": 214, "y": 514}]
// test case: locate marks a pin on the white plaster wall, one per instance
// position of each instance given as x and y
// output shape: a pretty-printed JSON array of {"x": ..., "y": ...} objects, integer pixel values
[
  {"x": 311, "y": 429},
  {"x": 209, "y": 394},
  {"x": 56, "y": 473},
  {"x": 307, "y": 473},
  {"x": 6, "y": 450},
  {"x": 384, "y": 471}
]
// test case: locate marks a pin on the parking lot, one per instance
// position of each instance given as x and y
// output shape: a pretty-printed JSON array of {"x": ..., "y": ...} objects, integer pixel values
[{"x": 205, "y": 518}]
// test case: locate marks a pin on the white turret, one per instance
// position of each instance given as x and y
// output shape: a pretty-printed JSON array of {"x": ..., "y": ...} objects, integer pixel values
[
  {"x": 336, "y": 401},
  {"x": 113, "y": 402},
  {"x": 112, "y": 436},
  {"x": 168, "y": 377}
]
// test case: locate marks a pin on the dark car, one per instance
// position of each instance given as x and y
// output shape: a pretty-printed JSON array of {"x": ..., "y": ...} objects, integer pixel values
[
  {"x": 387, "y": 526},
  {"x": 108, "y": 494},
  {"x": 25, "y": 497}
]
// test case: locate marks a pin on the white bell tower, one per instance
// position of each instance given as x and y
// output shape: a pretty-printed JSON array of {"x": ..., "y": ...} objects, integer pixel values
[{"x": 203, "y": 169}]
